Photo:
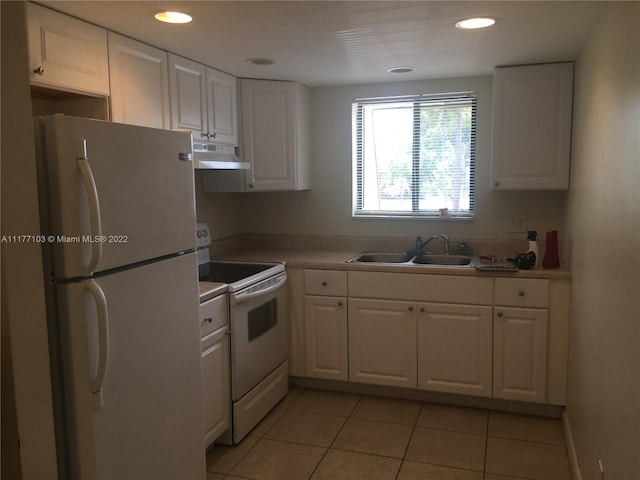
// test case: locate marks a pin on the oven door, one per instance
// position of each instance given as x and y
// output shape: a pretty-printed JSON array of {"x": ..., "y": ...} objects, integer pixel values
[{"x": 258, "y": 333}]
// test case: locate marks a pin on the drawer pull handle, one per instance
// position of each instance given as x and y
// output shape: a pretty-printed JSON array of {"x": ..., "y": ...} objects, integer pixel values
[
  {"x": 324, "y": 283},
  {"x": 521, "y": 293},
  {"x": 209, "y": 319}
]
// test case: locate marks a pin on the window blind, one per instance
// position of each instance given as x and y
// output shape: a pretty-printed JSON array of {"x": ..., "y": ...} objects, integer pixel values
[{"x": 415, "y": 155}]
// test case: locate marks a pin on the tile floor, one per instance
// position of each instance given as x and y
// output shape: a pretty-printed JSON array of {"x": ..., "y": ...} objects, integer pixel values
[{"x": 319, "y": 435}]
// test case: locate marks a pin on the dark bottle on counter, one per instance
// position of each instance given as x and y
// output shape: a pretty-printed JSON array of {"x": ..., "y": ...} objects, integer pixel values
[{"x": 551, "y": 257}]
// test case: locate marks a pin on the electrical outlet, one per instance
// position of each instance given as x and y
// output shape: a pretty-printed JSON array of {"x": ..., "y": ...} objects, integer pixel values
[{"x": 516, "y": 223}]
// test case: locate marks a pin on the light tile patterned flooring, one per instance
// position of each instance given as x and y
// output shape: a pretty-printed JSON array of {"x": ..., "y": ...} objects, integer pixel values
[{"x": 319, "y": 435}]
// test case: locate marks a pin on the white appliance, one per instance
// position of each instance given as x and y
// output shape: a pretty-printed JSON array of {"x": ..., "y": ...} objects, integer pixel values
[
  {"x": 258, "y": 324},
  {"x": 118, "y": 210}
]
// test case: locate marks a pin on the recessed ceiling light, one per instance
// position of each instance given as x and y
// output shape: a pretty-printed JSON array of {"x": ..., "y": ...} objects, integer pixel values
[
  {"x": 475, "y": 23},
  {"x": 260, "y": 61},
  {"x": 400, "y": 69},
  {"x": 173, "y": 17}
]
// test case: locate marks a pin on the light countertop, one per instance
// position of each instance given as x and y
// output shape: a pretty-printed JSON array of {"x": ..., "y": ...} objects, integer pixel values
[
  {"x": 336, "y": 260},
  {"x": 208, "y": 290}
]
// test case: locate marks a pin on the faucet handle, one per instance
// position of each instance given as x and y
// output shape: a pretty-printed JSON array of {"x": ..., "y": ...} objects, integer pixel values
[{"x": 418, "y": 242}]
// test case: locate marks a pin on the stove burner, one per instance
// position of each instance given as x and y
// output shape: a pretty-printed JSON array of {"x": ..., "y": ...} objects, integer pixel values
[
  {"x": 230, "y": 272},
  {"x": 233, "y": 272}
]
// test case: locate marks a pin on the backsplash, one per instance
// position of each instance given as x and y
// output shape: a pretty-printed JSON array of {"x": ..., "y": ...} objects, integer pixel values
[{"x": 497, "y": 247}]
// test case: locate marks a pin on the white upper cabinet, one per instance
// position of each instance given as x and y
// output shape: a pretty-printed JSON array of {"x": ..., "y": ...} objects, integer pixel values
[
  {"x": 276, "y": 130},
  {"x": 204, "y": 101},
  {"x": 222, "y": 102},
  {"x": 531, "y": 133},
  {"x": 66, "y": 53},
  {"x": 139, "y": 83}
]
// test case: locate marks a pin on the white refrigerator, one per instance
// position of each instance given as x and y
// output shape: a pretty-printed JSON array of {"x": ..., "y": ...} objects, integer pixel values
[{"x": 118, "y": 215}]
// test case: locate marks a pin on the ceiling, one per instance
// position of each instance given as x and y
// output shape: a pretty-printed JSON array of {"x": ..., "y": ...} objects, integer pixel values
[{"x": 321, "y": 43}]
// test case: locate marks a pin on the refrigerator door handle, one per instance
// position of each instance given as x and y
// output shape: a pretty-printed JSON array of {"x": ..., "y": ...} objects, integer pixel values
[
  {"x": 94, "y": 205},
  {"x": 103, "y": 342}
]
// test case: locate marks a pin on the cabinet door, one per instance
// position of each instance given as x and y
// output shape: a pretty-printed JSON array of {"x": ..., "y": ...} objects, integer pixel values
[
  {"x": 455, "y": 348},
  {"x": 222, "y": 105},
  {"x": 520, "y": 354},
  {"x": 66, "y": 53},
  {"x": 188, "y": 87},
  {"x": 275, "y": 135},
  {"x": 326, "y": 337},
  {"x": 531, "y": 136},
  {"x": 139, "y": 83},
  {"x": 382, "y": 342},
  {"x": 215, "y": 384}
]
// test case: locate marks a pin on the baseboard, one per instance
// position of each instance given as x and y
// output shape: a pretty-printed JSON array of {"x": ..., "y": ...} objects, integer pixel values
[
  {"x": 512, "y": 406},
  {"x": 571, "y": 448}
]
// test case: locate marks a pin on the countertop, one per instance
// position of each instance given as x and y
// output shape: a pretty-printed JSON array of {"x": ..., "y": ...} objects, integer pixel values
[
  {"x": 336, "y": 260},
  {"x": 208, "y": 290}
]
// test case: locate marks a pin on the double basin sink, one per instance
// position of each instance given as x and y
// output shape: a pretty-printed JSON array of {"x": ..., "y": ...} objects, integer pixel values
[{"x": 429, "y": 259}]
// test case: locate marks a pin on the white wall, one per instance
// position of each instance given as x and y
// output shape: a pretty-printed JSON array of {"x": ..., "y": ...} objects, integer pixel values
[
  {"x": 23, "y": 309},
  {"x": 603, "y": 219},
  {"x": 326, "y": 208}
]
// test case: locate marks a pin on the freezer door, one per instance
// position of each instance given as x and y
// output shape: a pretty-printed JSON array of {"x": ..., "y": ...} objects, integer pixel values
[
  {"x": 131, "y": 363},
  {"x": 118, "y": 194}
]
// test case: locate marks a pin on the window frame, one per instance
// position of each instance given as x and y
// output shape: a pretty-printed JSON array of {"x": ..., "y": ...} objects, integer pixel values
[{"x": 468, "y": 97}]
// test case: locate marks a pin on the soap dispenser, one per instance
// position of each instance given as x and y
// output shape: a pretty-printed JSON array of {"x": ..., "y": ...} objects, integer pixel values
[{"x": 533, "y": 246}]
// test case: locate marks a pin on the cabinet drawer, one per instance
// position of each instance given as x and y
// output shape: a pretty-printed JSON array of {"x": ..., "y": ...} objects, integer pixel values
[
  {"x": 213, "y": 314},
  {"x": 325, "y": 282},
  {"x": 422, "y": 287},
  {"x": 522, "y": 292}
]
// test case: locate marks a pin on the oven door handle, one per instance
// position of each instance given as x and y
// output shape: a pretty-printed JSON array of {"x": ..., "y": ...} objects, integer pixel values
[{"x": 244, "y": 297}]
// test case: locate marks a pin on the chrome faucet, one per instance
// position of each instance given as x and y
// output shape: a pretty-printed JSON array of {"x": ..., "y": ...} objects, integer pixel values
[
  {"x": 420, "y": 244},
  {"x": 445, "y": 238}
]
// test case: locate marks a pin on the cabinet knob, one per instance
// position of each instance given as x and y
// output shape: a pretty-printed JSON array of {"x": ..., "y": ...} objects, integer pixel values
[
  {"x": 422, "y": 309},
  {"x": 39, "y": 71},
  {"x": 496, "y": 183},
  {"x": 521, "y": 293},
  {"x": 500, "y": 314},
  {"x": 324, "y": 283},
  {"x": 339, "y": 304},
  {"x": 411, "y": 309},
  {"x": 209, "y": 319},
  {"x": 213, "y": 135},
  {"x": 251, "y": 185}
]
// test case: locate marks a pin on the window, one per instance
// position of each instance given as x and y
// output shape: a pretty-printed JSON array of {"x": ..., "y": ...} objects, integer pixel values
[{"x": 414, "y": 156}]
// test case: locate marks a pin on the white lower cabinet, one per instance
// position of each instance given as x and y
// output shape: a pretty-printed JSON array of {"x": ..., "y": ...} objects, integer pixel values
[
  {"x": 382, "y": 342},
  {"x": 326, "y": 337},
  {"x": 483, "y": 336},
  {"x": 216, "y": 387},
  {"x": 325, "y": 324},
  {"x": 521, "y": 326},
  {"x": 455, "y": 348},
  {"x": 520, "y": 354}
]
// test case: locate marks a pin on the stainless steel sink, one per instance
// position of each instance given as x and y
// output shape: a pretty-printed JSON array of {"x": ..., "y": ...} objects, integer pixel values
[
  {"x": 424, "y": 259},
  {"x": 443, "y": 260},
  {"x": 388, "y": 257}
]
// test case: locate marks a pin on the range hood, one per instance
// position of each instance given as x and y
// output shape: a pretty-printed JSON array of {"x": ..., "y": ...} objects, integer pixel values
[{"x": 216, "y": 157}]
